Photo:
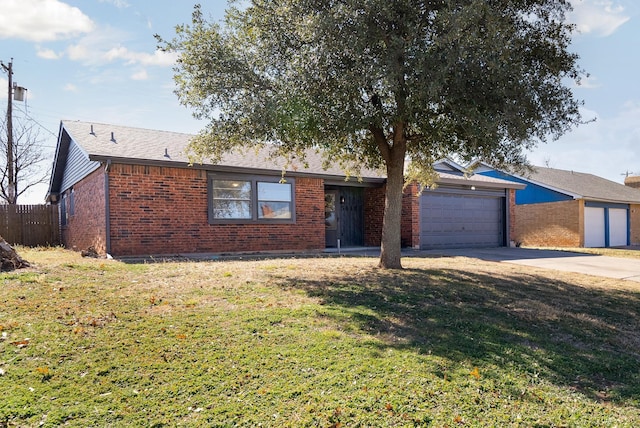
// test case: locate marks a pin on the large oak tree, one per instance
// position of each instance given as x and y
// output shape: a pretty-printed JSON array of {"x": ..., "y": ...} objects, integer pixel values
[{"x": 380, "y": 83}]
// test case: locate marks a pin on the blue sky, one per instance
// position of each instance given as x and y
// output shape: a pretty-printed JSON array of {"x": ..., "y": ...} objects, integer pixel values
[{"x": 96, "y": 60}]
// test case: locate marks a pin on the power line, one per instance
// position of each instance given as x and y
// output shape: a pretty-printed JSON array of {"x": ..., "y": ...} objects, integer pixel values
[{"x": 28, "y": 116}]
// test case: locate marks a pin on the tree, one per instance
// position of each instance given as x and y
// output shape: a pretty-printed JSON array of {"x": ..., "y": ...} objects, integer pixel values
[
  {"x": 28, "y": 157},
  {"x": 377, "y": 83}
]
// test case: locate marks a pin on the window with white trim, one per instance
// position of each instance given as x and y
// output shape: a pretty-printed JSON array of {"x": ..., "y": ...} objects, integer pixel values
[{"x": 244, "y": 199}]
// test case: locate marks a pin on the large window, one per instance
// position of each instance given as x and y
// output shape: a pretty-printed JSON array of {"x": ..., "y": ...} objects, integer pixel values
[
  {"x": 231, "y": 199},
  {"x": 250, "y": 199}
]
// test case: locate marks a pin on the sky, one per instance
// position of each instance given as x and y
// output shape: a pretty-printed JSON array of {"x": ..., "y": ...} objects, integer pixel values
[{"x": 97, "y": 61}]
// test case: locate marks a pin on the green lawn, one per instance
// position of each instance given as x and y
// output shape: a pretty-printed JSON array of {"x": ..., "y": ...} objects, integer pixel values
[{"x": 326, "y": 342}]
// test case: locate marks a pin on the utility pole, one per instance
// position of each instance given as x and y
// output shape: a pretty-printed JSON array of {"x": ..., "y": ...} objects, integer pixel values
[{"x": 12, "y": 191}]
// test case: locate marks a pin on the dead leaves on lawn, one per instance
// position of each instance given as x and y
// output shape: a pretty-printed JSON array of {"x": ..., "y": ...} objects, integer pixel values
[
  {"x": 81, "y": 324},
  {"x": 475, "y": 373},
  {"x": 21, "y": 343}
]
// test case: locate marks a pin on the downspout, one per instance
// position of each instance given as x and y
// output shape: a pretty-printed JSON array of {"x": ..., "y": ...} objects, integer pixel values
[
  {"x": 506, "y": 209},
  {"x": 106, "y": 207},
  {"x": 629, "y": 225},
  {"x": 607, "y": 229}
]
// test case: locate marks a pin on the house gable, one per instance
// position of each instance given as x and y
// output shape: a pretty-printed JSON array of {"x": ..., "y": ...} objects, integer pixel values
[
  {"x": 77, "y": 166},
  {"x": 447, "y": 165},
  {"x": 71, "y": 164}
]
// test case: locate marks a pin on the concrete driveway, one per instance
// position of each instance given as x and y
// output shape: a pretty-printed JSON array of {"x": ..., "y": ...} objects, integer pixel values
[{"x": 610, "y": 267}]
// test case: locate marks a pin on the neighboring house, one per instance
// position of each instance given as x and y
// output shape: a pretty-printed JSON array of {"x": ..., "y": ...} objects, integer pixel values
[
  {"x": 632, "y": 181},
  {"x": 561, "y": 208},
  {"x": 129, "y": 191}
]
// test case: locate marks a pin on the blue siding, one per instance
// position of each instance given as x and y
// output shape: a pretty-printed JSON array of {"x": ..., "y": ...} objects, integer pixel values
[{"x": 532, "y": 194}]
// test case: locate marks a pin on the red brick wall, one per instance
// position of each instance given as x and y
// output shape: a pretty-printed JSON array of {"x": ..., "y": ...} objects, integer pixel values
[
  {"x": 87, "y": 226},
  {"x": 634, "y": 214},
  {"x": 374, "y": 213},
  {"x": 411, "y": 217},
  {"x": 552, "y": 224},
  {"x": 161, "y": 210}
]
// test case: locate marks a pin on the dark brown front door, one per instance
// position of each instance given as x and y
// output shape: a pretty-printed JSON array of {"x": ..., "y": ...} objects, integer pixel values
[{"x": 343, "y": 217}]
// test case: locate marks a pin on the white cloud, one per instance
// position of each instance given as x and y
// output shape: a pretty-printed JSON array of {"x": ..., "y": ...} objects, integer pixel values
[
  {"x": 47, "y": 53},
  {"x": 90, "y": 48},
  {"x": 140, "y": 75},
  {"x": 599, "y": 17},
  {"x": 78, "y": 52},
  {"x": 588, "y": 82},
  {"x": 158, "y": 58},
  {"x": 119, "y": 52},
  {"x": 107, "y": 45},
  {"x": 70, "y": 87},
  {"x": 42, "y": 20}
]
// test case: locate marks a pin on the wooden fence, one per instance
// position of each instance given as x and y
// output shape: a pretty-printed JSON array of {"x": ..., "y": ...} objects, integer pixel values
[{"x": 30, "y": 225}]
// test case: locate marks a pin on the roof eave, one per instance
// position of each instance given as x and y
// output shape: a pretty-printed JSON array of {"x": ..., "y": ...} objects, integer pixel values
[
  {"x": 481, "y": 183},
  {"x": 611, "y": 201},
  {"x": 236, "y": 169},
  {"x": 55, "y": 167}
]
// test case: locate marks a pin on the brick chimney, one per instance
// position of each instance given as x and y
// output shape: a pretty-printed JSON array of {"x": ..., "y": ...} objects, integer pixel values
[{"x": 633, "y": 181}]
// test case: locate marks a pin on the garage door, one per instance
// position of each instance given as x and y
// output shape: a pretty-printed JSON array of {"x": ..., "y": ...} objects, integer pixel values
[
  {"x": 594, "y": 227},
  {"x": 458, "y": 221},
  {"x": 617, "y": 227}
]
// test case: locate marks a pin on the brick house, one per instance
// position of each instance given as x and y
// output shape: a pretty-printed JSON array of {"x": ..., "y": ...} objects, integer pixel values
[
  {"x": 128, "y": 191},
  {"x": 632, "y": 181},
  {"x": 560, "y": 208}
]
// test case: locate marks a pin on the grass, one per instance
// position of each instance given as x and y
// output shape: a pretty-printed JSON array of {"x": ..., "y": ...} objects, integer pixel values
[{"x": 327, "y": 342}]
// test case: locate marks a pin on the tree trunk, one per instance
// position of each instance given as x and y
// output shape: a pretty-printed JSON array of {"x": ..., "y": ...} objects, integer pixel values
[
  {"x": 9, "y": 259},
  {"x": 390, "y": 246}
]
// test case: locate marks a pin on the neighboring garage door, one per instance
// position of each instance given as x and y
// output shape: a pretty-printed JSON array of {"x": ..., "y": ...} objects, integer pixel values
[
  {"x": 461, "y": 220},
  {"x": 605, "y": 227},
  {"x": 617, "y": 227},
  {"x": 594, "y": 235}
]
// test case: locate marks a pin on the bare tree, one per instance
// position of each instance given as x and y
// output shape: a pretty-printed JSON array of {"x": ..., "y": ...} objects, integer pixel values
[{"x": 29, "y": 166}]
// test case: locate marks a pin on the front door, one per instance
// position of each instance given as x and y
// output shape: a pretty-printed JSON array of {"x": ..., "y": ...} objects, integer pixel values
[
  {"x": 343, "y": 217},
  {"x": 351, "y": 217}
]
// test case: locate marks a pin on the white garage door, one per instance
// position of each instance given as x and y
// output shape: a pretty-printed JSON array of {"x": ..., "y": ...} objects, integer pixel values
[
  {"x": 458, "y": 221},
  {"x": 594, "y": 227},
  {"x": 617, "y": 227}
]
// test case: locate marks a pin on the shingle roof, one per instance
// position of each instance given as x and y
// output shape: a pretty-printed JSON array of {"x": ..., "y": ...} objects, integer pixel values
[
  {"x": 583, "y": 186},
  {"x": 476, "y": 180},
  {"x": 106, "y": 141}
]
